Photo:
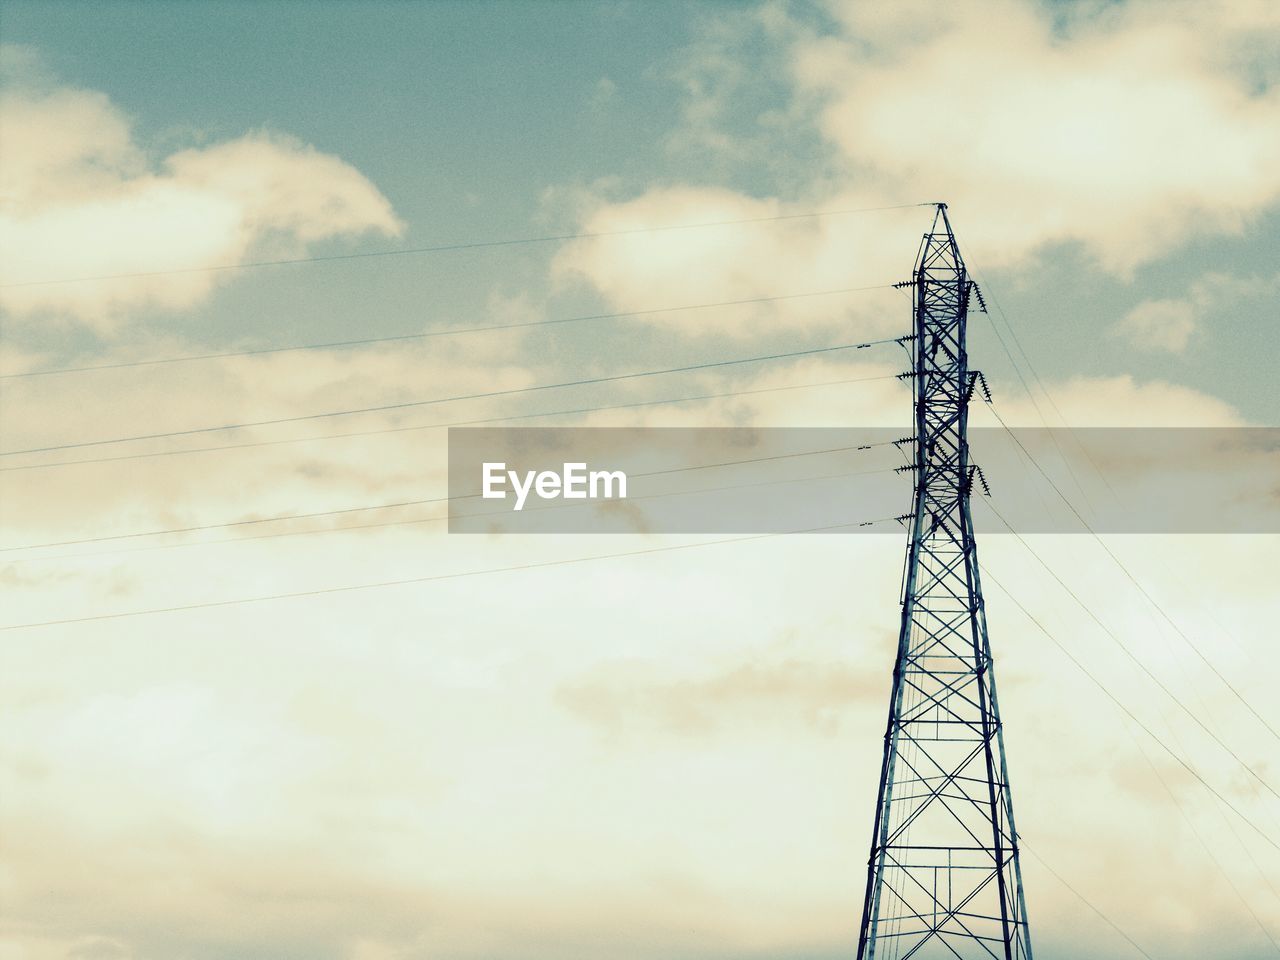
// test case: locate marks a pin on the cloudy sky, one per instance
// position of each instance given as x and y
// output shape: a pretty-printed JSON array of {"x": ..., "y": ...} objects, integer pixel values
[{"x": 668, "y": 754}]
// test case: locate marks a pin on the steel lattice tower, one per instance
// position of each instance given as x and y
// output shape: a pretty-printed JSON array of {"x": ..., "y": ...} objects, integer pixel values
[{"x": 943, "y": 878}]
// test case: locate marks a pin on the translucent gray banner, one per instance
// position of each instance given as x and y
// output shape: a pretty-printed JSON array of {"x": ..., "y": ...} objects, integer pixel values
[{"x": 857, "y": 480}]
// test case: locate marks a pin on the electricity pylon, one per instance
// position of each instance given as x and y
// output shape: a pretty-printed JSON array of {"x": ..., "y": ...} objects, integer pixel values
[{"x": 943, "y": 879}]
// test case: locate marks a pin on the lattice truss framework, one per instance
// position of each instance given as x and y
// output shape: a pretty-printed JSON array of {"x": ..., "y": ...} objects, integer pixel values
[{"x": 943, "y": 876}]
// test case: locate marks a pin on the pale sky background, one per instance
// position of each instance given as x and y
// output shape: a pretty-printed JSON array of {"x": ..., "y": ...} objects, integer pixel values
[{"x": 662, "y": 756}]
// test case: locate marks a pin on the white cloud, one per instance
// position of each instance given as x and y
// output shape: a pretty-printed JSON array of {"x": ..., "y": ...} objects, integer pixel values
[
  {"x": 739, "y": 261},
  {"x": 1170, "y": 323},
  {"x": 390, "y": 768},
  {"x": 79, "y": 198},
  {"x": 1127, "y": 130},
  {"x": 1159, "y": 325}
]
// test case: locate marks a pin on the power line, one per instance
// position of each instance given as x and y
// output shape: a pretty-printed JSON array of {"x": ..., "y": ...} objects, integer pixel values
[
  {"x": 1062, "y": 583},
  {"x": 1130, "y": 714},
  {"x": 1132, "y": 579},
  {"x": 1151, "y": 600},
  {"x": 469, "y": 245},
  {"x": 1213, "y": 858},
  {"x": 1085, "y": 900},
  {"x": 455, "y": 423},
  {"x": 440, "y": 519},
  {"x": 451, "y": 331},
  {"x": 1115, "y": 559},
  {"x": 413, "y": 503},
  {"x": 1128, "y": 574},
  {"x": 349, "y": 588},
  {"x": 1035, "y": 374},
  {"x": 1133, "y": 657},
  {"x": 1026, "y": 387},
  {"x": 473, "y": 396}
]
